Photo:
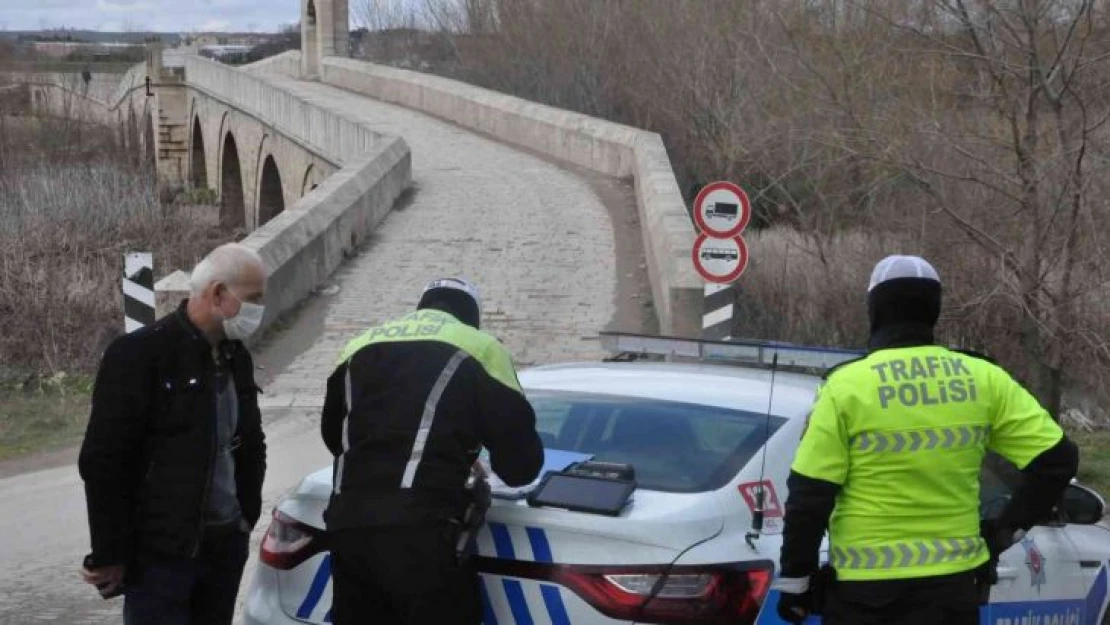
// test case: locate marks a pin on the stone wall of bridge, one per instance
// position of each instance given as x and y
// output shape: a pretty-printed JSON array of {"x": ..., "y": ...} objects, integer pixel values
[{"x": 602, "y": 146}]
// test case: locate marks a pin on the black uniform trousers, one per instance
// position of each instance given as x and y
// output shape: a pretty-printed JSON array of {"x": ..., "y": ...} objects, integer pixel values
[
  {"x": 942, "y": 600},
  {"x": 402, "y": 576}
]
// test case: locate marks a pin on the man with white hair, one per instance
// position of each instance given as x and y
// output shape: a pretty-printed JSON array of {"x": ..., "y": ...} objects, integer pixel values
[
  {"x": 889, "y": 464},
  {"x": 174, "y": 455}
]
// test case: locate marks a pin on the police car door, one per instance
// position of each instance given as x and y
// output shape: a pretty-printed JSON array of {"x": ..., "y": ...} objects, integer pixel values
[
  {"x": 1090, "y": 534},
  {"x": 1040, "y": 581}
]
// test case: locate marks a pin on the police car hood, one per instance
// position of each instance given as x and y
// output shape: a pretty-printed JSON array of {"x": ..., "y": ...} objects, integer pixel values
[{"x": 657, "y": 524}]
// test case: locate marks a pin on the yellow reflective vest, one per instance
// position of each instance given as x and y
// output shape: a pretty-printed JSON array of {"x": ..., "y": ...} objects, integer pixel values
[
  {"x": 434, "y": 325},
  {"x": 904, "y": 431}
]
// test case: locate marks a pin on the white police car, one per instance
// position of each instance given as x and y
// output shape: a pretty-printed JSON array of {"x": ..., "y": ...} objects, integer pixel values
[{"x": 702, "y": 441}]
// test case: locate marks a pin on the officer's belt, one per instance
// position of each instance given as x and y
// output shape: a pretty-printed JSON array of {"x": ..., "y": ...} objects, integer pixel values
[{"x": 906, "y": 554}]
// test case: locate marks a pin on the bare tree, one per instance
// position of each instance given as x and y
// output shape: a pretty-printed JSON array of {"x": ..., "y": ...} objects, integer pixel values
[
  {"x": 389, "y": 27},
  {"x": 995, "y": 113},
  {"x": 472, "y": 17},
  {"x": 967, "y": 130},
  {"x": 379, "y": 15}
]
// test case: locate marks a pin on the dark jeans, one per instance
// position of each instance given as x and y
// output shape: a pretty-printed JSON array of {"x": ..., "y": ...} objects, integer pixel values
[
  {"x": 948, "y": 599},
  {"x": 402, "y": 576},
  {"x": 201, "y": 591}
]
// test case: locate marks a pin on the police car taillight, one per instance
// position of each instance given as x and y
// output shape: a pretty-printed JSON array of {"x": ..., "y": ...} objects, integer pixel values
[
  {"x": 670, "y": 587},
  {"x": 289, "y": 542},
  {"x": 684, "y": 595}
]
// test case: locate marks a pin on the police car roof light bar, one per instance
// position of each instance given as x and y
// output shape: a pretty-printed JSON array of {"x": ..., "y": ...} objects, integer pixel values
[{"x": 751, "y": 353}]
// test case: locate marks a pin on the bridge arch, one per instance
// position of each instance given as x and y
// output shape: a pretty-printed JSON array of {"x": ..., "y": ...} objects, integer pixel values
[
  {"x": 198, "y": 167},
  {"x": 232, "y": 206},
  {"x": 309, "y": 182},
  {"x": 271, "y": 196}
]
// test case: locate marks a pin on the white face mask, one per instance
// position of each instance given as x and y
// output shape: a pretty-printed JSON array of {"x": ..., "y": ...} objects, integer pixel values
[{"x": 246, "y": 323}]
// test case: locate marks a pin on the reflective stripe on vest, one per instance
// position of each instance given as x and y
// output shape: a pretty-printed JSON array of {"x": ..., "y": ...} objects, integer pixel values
[
  {"x": 345, "y": 441},
  {"x": 428, "y": 418},
  {"x": 900, "y": 555},
  {"x": 921, "y": 440}
]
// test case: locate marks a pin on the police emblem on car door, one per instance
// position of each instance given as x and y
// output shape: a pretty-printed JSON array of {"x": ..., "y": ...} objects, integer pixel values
[{"x": 1035, "y": 561}]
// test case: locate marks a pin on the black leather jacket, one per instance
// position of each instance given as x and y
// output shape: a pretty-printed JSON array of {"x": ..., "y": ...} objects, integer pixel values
[{"x": 149, "y": 450}]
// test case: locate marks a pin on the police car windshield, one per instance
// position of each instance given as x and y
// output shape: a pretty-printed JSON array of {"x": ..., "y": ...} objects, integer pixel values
[{"x": 673, "y": 446}]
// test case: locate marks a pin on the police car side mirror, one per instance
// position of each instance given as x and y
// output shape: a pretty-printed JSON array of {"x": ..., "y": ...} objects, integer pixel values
[{"x": 1081, "y": 505}]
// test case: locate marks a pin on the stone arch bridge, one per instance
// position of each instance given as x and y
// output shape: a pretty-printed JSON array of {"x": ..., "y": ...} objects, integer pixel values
[
  {"x": 358, "y": 183},
  {"x": 566, "y": 220}
]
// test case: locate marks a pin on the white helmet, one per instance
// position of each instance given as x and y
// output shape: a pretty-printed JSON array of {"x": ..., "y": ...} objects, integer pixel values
[
  {"x": 897, "y": 266},
  {"x": 467, "y": 308}
]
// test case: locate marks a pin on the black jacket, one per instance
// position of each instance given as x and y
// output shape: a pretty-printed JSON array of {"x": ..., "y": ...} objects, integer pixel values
[
  {"x": 392, "y": 390},
  {"x": 148, "y": 451}
]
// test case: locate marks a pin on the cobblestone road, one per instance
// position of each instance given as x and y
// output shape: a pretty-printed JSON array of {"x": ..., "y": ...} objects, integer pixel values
[{"x": 535, "y": 238}]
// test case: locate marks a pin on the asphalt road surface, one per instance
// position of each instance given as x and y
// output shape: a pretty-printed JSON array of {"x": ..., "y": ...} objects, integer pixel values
[{"x": 44, "y": 535}]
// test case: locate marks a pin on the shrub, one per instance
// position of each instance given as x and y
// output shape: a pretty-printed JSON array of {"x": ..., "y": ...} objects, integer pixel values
[{"x": 69, "y": 212}]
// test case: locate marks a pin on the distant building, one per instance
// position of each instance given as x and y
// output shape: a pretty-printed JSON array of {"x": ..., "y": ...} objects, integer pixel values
[
  {"x": 62, "y": 49},
  {"x": 227, "y": 53},
  {"x": 202, "y": 40}
]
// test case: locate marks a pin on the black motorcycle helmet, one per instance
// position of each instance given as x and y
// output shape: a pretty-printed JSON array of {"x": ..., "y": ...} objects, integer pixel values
[
  {"x": 904, "y": 290},
  {"x": 456, "y": 297}
]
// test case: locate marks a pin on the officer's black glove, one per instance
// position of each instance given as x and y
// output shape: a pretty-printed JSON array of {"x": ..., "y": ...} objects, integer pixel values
[
  {"x": 998, "y": 539},
  {"x": 795, "y": 607},
  {"x": 799, "y": 597}
]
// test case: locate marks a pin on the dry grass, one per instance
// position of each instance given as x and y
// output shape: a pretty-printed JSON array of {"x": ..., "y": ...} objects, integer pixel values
[
  {"x": 71, "y": 205},
  {"x": 49, "y": 414},
  {"x": 811, "y": 289},
  {"x": 1094, "y": 460}
]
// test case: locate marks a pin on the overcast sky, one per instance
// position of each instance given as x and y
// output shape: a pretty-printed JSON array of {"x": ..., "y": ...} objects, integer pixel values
[{"x": 152, "y": 15}]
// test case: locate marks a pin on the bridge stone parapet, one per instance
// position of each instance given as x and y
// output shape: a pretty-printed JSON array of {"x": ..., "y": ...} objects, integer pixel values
[
  {"x": 304, "y": 245},
  {"x": 322, "y": 131},
  {"x": 596, "y": 144},
  {"x": 338, "y": 177},
  {"x": 207, "y": 125},
  {"x": 284, "y": 64}
]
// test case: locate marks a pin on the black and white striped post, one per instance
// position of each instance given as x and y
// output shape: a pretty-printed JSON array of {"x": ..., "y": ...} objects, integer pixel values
[
  {"x": 721, "y": 212},
  {"x": 717, "y": 313},
  {"x": 138, "y": 290}
]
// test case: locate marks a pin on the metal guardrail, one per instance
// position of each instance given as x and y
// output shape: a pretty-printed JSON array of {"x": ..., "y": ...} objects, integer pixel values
[{"x": 750, "y": 353}]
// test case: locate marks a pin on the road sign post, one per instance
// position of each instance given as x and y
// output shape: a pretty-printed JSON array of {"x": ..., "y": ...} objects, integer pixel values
[
  {"x": 722, "y": 212},
  {"x": 138, "y": 290}
]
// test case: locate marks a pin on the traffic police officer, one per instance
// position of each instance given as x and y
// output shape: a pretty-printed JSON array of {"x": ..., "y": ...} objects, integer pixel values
[
  {"x": 889, "y": 463},
  {"x": 407, "y": 411}
]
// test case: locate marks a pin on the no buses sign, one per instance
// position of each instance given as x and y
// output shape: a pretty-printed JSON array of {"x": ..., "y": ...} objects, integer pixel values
[{"x": 720, "y": 260}]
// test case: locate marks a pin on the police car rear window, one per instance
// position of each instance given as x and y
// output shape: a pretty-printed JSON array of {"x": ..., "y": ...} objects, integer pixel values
[{"x": 673, "y": 446}]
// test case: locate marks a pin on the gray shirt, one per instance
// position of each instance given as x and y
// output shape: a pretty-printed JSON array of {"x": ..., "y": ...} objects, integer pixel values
[{"x": 223, "y": 501}]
